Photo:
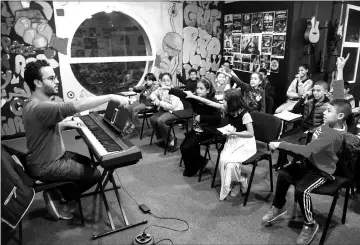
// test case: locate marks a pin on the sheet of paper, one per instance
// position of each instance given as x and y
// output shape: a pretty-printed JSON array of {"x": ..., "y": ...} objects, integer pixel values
[
  {"x": 288, "y": 116},
  {"x": 226, "y": 129}
]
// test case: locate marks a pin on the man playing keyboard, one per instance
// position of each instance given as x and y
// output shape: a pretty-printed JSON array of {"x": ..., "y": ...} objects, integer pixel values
[{"x": 47, "y": 159}]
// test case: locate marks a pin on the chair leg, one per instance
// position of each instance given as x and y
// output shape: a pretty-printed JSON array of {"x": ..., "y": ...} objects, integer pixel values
[
  {"x": 81, "y": 211},
  {"x": 326, "y": 227},
  {"x": 215, "y": 170},
  {"x": 343, "y": 219},
  {"x": 142, "y": 127},
  {"x": 202, "y": 169},
  {"x": 167, "y": 140},
  {"x": 20, "y": 232},
  {"x": 181, "y": 161},
  {"x": 271, "y": 174},
  {"x": 250, "y": 182},
  {"x": 152, "y": 135},
  {"x": 147, "y": 122}
]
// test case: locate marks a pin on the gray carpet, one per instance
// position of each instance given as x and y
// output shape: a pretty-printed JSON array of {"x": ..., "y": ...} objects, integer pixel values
[{"x": 157, "y": 181}]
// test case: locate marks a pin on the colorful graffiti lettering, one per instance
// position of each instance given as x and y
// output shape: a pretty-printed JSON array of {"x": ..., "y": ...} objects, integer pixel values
[
  {"x": 202, "y": 33},
  {"x": 27, "y": 35}
]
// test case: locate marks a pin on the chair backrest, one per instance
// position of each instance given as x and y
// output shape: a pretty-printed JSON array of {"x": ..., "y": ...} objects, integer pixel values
[{"x": 266, "y": 127}]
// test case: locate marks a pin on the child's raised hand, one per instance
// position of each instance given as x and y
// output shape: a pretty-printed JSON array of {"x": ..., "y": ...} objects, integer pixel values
[{"x": 341, "y": 61}]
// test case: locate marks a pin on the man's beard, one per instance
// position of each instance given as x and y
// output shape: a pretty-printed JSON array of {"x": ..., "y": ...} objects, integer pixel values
[{"x": 49, "y": 91}]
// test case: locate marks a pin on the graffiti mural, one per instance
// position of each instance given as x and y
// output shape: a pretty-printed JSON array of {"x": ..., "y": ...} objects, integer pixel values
[
  {"x": 169, "y": 59},
  {"x": 202, "y": 37},
  {"x": 27, "y": 34}
]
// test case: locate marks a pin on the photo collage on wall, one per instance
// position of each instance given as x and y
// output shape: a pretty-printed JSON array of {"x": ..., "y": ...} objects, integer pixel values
[{"x": 255, "y": 40}]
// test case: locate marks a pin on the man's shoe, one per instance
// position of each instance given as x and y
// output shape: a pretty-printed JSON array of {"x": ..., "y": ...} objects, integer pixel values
[
  {"x": 273, "y": 214},
  {"x": 52, "y": 205},
  {"x": 307, "y": 234}
]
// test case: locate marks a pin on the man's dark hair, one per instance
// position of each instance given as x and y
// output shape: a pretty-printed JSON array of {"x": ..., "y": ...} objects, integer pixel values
[
  {"x": 192, "y": 70},
  {"x": 342, "y": 106},
  {"x": 32, "y": 72}
]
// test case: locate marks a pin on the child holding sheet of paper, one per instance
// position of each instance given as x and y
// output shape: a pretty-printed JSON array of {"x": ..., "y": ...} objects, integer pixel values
[{"x": 240, "y": 142}]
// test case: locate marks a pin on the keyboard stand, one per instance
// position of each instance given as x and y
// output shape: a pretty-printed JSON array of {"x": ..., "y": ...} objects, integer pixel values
[{"x": 107, "y": 176}]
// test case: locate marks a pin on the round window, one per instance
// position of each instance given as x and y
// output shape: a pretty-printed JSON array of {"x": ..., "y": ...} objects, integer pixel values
[{"x": 110, "y": 52}]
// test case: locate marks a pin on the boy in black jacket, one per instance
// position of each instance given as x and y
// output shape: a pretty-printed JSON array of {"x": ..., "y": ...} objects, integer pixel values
[{"x": 190, "y": 83}]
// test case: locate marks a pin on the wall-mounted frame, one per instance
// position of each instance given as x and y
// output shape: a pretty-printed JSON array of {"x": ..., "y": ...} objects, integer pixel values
[{"x": 351, "y": 42}]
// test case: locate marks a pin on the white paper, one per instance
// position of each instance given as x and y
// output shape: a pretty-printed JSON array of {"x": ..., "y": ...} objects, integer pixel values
[
  {"x": 227, "y": 129},
  {"x": 288, "y": 116}
]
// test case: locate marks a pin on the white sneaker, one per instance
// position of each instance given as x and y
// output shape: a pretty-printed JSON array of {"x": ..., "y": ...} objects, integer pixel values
[
  {"x": 244, "y": 186},
  {"x": 235, "y": 190}
]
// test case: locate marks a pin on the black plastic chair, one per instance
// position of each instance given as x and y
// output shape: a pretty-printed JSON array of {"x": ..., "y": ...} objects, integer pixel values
[
  {"x": 266, "y": 129},
  {"x": 344, "y": 178},
  {"x": 145, "y": 114},
  {"x": 207, "y": 143}
]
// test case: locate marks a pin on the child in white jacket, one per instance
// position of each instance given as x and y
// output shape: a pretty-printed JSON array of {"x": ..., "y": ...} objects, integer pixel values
[{"x": 166, "y": 104}]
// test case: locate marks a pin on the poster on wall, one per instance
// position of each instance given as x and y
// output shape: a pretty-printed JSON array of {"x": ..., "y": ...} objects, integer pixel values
[
  {"x": 257, "y": 23},
  {"x": 228, "y": 19},
  {"x": 246, "y": 23},
  {"x": 266, "y": 43},
  {"x": 236, "y": 66},
  {"x": 237, "y": 57},
  {"x": 265, "y": 62},
  {"x": 250, "y": 44},
  {"x": 280, "y": 21},
  {"x": 278, "y": 46},
  {"x": 268, "y": 22},
  {"x": 237, "y": 23},
  {"x": 228, "y": 31},
  {"x": 228, "y": 42},
  {"x": 236, "y": 42},
  {"x": 274, "y": 65}
]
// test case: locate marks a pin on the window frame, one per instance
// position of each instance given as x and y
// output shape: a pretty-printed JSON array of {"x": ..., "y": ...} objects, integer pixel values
[
  {"x": 149, "y": 59},
  {"x": 350, "y": 44}
]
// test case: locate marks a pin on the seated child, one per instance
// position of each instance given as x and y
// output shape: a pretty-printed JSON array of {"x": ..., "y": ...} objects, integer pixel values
[
  {"x": 240, "y": 143},
  {"x": 266, "y": 84},
  {"x": 165, "y": 104},
  {"x": 300, "y": 85},
  {"x": 145, "y": 91},
  {"x": 221, "y": 83},
  {"x": 190, "y": 83},
  {"x": 321, "y": 153},
  {"x": 203, "y": 115},
  {"x": 313, "y": 108},
  {"x": 347, "y": 96},
  {"x": 253, "y": 92}
]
